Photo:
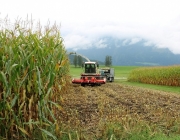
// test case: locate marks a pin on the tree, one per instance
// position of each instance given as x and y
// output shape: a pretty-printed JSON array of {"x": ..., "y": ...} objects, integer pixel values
[
  {"x": 80, "y": 61},
  {"x": 75, "y": 61},
  {"x": 108, "y": 61}
]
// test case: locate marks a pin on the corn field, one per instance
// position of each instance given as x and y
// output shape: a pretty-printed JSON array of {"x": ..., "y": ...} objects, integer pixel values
[
  {"x": 34, "y": 72},
  {"x": 119, "y": 112},
  {"x": 167, "y": 75}
]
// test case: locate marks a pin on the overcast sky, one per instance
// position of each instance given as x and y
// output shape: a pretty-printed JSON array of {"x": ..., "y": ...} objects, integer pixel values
[{"x": 85, "y": 22}]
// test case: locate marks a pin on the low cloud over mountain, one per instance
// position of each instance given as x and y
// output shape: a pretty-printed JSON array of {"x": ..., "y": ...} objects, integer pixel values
[{"x": 129, "y": 52}]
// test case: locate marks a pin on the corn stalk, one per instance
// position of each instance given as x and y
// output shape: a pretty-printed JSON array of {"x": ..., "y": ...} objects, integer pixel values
[{"x": 33, "y": 73}]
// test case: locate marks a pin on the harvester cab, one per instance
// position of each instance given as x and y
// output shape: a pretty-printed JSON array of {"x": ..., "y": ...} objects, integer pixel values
[
  {"x": 91, "y": 67},
  {"x": 91, "y": 75}
]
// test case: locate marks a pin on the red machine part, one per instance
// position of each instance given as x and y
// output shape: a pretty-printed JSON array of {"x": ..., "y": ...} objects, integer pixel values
[{"x": 90, "y": 79}]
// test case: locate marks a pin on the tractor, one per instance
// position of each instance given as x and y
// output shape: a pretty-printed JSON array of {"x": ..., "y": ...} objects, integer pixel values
[{"x": 90, "y": 75}]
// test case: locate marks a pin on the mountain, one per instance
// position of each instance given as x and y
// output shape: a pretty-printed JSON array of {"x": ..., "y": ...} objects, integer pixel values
[{"x": 124, "y": 53}]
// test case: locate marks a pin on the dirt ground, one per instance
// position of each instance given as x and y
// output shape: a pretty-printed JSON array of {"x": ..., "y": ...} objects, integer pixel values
[{"x": 90, "y": 107}]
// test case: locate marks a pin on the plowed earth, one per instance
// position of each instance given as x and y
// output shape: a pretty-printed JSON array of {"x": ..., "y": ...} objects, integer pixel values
[{"x": 89, "y": 107}]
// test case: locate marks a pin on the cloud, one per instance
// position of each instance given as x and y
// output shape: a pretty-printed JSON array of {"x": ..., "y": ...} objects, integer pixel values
[
  {"x": 135, "y": 40},
  {"x": 77, "y": 41},
  {"x": 167, "y": 36},
  {"x": 125, "y": 42},
  {"x": 85, "y": 23},
  {"x": 101, "y": 43}
]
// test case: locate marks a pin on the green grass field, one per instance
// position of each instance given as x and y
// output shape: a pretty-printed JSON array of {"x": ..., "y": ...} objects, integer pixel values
[
  {"x": 121, "y": 75},
  {"x": 120, "y": 71}
]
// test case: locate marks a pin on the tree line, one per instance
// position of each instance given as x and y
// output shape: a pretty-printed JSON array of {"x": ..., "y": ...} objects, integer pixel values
[{"x": 78, "y": 61}]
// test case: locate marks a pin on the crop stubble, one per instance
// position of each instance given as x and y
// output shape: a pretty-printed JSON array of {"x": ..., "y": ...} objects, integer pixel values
[{"x": 89, "y": 108}]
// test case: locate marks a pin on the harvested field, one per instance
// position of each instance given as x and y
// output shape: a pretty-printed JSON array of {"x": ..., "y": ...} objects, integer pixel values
[{"x": 89, "y": 109}]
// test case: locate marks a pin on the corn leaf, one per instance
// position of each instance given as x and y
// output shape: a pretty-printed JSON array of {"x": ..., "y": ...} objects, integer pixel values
[
  {"x": 13, "y": 102},
  {"x": 57, "y": 105},
  {"x": 3, "y": 78},
  {"x": 23, "y": 130},
  {"x": 48, "y": 133}
]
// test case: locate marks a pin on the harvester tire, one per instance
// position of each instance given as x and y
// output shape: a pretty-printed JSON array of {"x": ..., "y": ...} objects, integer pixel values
[{"x": 82, "y": 84}]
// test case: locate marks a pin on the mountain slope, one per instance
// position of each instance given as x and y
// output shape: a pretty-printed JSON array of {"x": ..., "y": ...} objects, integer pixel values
[{"x": 131, "y": 54}]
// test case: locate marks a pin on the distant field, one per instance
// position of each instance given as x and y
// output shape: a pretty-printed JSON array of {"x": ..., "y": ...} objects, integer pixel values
[
  {"x": 75, "y": 72},
  {"x": 120, "y": 71},
  {"x": 121, "y": 75}
]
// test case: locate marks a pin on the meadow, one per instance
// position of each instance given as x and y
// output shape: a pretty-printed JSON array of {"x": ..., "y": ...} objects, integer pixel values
[{"x": 120, "y": 71}]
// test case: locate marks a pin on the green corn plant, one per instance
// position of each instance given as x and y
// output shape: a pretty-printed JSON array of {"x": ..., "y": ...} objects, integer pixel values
[
  {"x": 34, "y": 71},
  {"x": 167, "y": 75}
]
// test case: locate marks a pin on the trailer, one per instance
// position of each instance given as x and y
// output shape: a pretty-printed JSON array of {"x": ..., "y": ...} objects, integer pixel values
[{"x": 108, "y": 73}]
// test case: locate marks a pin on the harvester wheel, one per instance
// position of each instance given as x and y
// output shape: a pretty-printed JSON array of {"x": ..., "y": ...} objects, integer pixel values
[{"x": 82, "y": 84}]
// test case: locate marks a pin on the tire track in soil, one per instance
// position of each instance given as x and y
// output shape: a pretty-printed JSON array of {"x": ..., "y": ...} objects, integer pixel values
[{"x": 88, "y": 107}]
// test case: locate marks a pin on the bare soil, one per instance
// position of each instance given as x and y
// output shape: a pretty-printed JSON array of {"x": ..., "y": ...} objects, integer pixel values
[{"x": 88, "y": 108}]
